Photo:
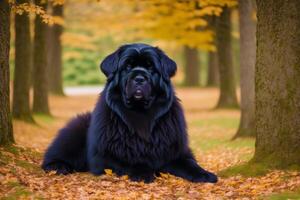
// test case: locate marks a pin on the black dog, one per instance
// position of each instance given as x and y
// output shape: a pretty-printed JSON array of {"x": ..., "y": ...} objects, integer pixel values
[{"x": 137, "y": 127}]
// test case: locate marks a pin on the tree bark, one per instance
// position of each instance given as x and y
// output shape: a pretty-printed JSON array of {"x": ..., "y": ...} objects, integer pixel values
[
  {"x": 55, "y": 54},
  {"x": 192, "y": 67},
  {"x": 21, "y": 103},
  {"x": 247, "y": 69},
  {"x": 6, "y": 130},
  {"x": 277, "y": 92},
  {"x": 228, "y": 98},
  {"x": 213, "y": 70},
  {"x": 40, "y": 82}
]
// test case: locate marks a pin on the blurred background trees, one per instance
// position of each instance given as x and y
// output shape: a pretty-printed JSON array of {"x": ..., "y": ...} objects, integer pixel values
[
  {"x": 192, "y": 66},
  {"x": 247, "y": 67},
  {"x": 54, "y": 53},
  {"x": 228, "y": 97},
  {"x": 23, "y": 67},
  {"x": 213, "y": 78},
  {"x": 40, "y": 79}
]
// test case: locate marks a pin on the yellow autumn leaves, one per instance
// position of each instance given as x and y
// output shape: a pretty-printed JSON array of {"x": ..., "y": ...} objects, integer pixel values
[
  {"x": 180, "y": 22},
  {"x": 30, "y": 8},
  {"x": 109, "y": 172}
]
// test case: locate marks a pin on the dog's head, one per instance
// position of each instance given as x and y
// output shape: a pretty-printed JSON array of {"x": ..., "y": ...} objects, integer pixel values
[
  {"x": 141, "y": 73},
  {"x": 138, "y": 81}
]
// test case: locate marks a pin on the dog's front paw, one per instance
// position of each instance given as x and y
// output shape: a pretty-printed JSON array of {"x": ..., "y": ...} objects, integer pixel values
[
  {"x": 60, "y": 168},
  {"x": 205, "y": 177},
  {"x": 147, "y": 178}
]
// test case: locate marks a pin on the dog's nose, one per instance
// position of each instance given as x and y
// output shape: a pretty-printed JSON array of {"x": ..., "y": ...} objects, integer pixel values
[{"x": 139, "y": 79}]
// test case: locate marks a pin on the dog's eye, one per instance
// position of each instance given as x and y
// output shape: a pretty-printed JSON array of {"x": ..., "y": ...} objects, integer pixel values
[
  {"x": 148, "y": 64},
  {"x": 150, "y": 68},
  {"x": 128, "y": 67}
]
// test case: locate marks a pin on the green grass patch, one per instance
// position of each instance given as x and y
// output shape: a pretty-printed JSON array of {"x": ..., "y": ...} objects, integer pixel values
[
  {"x": 205, "y": 144},
  {"x": 16, "y": 154},
  {"x": 31, "y": 167},
  {"x": 4, "y": 159},
  {"x": 209, "y": 136},
  {"x": 239, "y": 143},
  {"x": 17, "y": 191},
  {"x": 212, "y": 142},
  {"x": 228, "y": 123},
  {"x": 43, "y": 118},
  {"x": 283, "y": 196},
  {"x": 248, "y": 169},
  {"x": 13, "y": 149}
]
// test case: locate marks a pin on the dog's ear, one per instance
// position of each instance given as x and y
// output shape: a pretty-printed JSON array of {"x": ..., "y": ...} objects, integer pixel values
[
  {"x": 110, "y": 63},
  {"x": 169, "y": 66}
]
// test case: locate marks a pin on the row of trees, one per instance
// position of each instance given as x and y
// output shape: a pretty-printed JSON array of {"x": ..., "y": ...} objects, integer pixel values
[
  {"x": 220, "y": 64},
  {"x": 37, "y": 62},
  {"x": 45, "y": 50},
  {"x": 198, "y": 25},
  {"x": 269, "y": 102}
]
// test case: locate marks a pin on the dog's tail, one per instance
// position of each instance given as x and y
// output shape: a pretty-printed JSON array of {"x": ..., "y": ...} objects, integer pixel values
[{"x": 67, "y": 153}]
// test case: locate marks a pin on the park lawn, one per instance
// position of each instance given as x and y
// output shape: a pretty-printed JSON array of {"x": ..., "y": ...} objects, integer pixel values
[{"x": 210, "y": 133}]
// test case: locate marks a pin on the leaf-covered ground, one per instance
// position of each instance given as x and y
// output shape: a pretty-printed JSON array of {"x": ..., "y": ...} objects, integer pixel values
[{"x": 210, "y": 133}]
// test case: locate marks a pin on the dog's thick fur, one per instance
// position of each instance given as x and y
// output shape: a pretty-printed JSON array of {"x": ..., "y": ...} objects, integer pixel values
[{"x": 137, "y": 133}]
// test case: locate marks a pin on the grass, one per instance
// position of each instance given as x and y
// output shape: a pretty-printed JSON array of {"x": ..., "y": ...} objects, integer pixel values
[
  {"x": 222, "y": 122},
  {"x": 18, "y": 159},
  {"x": 248, "y": 169},
  {"x": 16, "y": 191},
  {"x": 13, "y": 149},
  {"x": 284, "y": 196},
  {"x": 218, "y": 132},
  {"x": 213, "y": 143},
  {"x": 44, "y": 118},
  {"x": 30, "y": 167}
]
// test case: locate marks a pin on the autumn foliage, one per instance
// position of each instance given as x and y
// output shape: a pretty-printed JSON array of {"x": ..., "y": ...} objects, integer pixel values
[
  {"x": 21, "y": 176},
  {"x": 95, "y": 28}
]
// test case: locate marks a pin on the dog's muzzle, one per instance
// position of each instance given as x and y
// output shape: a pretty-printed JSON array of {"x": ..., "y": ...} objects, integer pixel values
[{"x": 139, "y": 81}]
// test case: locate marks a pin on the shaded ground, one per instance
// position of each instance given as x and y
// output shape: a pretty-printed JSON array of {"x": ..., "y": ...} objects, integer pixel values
[{"x": 210, "y": 132}]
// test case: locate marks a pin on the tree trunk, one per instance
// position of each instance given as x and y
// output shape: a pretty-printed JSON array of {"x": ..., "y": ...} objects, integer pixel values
[
  {"x": 228, "y": 98},
  {"x": 247, "y": 69},
  {"x": 21, "y": 103},
  {"x": 6, "y": 130},
  {"x": 277, "y": 92},
  {"x": 40, "y": 83},
  {"x": 213, "y": 78},
  {"x": 55, "y": 54},
  {"x": 213, "y": 70},
  {"x": 192, "y": 67}
]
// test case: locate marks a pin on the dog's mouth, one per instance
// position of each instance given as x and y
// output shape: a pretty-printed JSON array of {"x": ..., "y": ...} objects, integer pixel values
[
  {"x": 138, "y": 95},
  {"x": 138, "y": 92},
  {"x": 138, "y": 98}
]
